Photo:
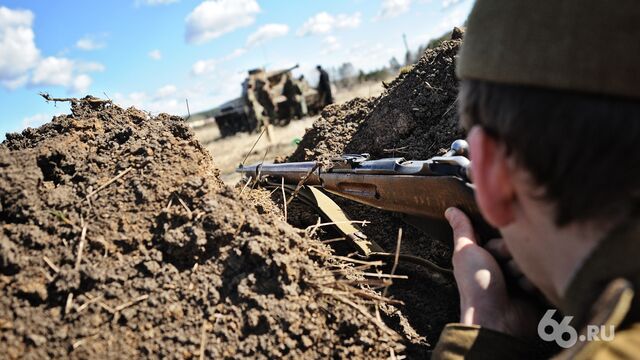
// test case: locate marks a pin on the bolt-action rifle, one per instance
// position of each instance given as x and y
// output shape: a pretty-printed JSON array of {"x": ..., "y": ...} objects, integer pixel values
[{"x": 420, "y": 189}]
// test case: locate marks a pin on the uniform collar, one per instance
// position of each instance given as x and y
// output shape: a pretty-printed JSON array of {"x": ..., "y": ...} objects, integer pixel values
[{"x": 617, "y": 256}]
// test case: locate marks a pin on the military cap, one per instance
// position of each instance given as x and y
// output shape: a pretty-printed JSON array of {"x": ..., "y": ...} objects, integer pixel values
[{"x": 578, "y": 45}]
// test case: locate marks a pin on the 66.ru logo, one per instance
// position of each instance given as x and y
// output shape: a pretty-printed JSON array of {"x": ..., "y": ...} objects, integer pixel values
[{"x": 566, "y": 335}]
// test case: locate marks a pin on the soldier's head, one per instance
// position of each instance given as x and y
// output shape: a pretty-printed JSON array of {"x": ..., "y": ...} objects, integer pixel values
[
  {"x": 318, "y": 67},
  {"x": 550, "y": 95}
]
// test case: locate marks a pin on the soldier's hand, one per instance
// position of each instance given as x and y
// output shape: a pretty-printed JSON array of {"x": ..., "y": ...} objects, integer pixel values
[
  {"x": 498, "y": 249},
  {"x": 484, "y": 299}
]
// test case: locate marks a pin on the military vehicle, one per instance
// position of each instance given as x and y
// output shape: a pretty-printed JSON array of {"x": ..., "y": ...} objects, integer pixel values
[{"x": 245, "y": 114}]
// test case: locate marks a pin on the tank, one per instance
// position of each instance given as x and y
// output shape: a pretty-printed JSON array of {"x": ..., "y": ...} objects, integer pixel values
[{"x": 247, "y": 114}]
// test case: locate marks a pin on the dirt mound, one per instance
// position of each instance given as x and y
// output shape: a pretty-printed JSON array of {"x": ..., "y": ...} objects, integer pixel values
[
  {"x": 414, "y": 118},
  {"x": 336, "y": 123},
  {"x": 119, "y": 240}
]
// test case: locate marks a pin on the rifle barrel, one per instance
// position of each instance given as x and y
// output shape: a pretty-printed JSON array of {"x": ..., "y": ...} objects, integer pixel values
[{"x": 291, "y": 172}]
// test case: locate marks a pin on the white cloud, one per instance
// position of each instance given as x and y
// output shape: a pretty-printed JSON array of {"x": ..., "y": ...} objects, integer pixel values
[
  {"x": 91, "y": 42},
  {"x": 155, "y": 54},
  {"x": 39, "y": 119},
  {"x": 90, "y": 66},
  {"x": 267, "y": 32},
  {"x": 330, "y": 40},
  {"x": 211, "y": 19},
  {"x": 447, "y": 3},
  {"x": 345, "y": 21},
  {"x": 81, "y": 83},
  {"x": 166, "y": 91},
  {"x": 139, "y": 99},
  {"x": 16, "y": 82},
  {"x": 234, "y": 54},
  {"x": 206, "y": 66},
  {"x": 202, "y": 67},
  {"x": 318, "y": 24},
  {"x": 393, "y": 8},
  {"x": 17, "y": 46},
  {"x": 35, "y": 120},
  {"x": 53, "y": 71},
  {"x": 155, "y": 105},
  {"x": 330, "y": 44},
  {"x": 369, "y": 56},
  {"x": 58, "y": 71},
  {"x": 138, "y": 96},
  {"x": 454, "y": 16},
  {"x": 21, "y": 64},
  {"x": 202, "y": 93},
  {"x": 323, "y": 23},
  {"x": 154, "y": 2}
]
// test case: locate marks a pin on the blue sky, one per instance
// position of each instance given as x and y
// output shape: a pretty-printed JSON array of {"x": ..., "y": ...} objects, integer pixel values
[{"x": 155, "y": 53}]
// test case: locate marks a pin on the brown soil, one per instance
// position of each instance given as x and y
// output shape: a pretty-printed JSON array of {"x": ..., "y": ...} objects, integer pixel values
[
  {"x": 173, "y": 263},
  {"x": 414, "y": 118},
  {"x": 331, "y": 132}
]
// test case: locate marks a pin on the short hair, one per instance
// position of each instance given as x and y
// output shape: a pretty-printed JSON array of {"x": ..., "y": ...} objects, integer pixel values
[{"x": 582, "y": 149}]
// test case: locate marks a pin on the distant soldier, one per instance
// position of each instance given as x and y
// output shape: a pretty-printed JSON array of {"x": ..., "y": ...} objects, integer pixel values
[
  {"x": 324, "y": 87},
  {"x": 303, "y": 85},
  {"x": 259, "y": 100},
  {"x": 292, "y": 92},
  {"x": 264, "y": 98},
  {"x": 256, "y": 117}
]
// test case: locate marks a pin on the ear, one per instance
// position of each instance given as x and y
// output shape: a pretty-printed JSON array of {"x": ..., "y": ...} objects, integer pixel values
[{"x": 493, "y": 180}]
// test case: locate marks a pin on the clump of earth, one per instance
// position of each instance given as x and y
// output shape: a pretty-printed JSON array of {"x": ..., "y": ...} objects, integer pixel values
[{"x": 118, "y": 240}]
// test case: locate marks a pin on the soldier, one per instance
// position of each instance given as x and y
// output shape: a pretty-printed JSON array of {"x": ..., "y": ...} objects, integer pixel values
[
  {"x": 550, "y": 96},
  {"x": 256, "y": 118},
  {"x": 257, "y": 95},
  {"x": 304, "y": 87},
  {"x": 264, "y": 98},
  {"x": 292, "y": 92},
  {"x": 324, "y": 87}
]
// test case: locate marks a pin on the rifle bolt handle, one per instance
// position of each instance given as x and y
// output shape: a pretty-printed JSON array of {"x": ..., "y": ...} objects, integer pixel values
[{"x": 459, "y": 148}]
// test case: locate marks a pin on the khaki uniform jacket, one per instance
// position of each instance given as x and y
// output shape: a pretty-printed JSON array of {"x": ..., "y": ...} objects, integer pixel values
[{"x": 601, "y": 293}]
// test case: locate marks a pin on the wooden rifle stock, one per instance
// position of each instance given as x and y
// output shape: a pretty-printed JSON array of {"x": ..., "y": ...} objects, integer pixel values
[{"x": 423, "y": 197}]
